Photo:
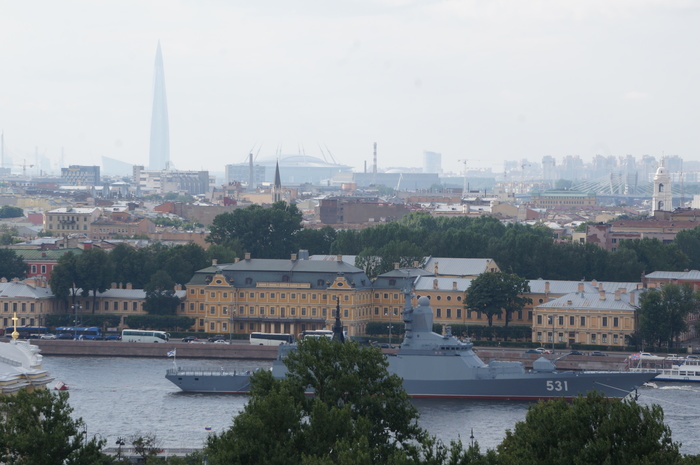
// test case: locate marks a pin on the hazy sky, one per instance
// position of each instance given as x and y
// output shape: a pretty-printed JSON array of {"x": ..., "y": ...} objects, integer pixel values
[{"x": 484, "y": 80}]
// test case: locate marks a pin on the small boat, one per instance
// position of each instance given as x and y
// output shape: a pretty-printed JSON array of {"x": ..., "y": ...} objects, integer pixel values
[
  {"x": 675, "y": 369},
  {"x": 441, "y": 366}
]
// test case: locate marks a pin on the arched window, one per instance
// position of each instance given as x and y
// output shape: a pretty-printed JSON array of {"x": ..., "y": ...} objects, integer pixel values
[
  {"x": 661, "y": 205},
  {"x": 661, "y": 187}
]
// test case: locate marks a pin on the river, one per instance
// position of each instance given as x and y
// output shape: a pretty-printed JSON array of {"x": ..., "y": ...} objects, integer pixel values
[{"x": 120, "y": 397}]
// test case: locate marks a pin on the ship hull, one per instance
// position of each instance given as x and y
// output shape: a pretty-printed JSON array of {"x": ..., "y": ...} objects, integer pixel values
[{"x": 524, "y": 387}]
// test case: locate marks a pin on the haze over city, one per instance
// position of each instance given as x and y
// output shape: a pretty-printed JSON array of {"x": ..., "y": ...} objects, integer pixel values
[{"x": 485, "y": 81}]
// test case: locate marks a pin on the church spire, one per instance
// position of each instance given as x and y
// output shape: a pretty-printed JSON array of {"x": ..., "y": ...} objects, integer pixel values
[{"x": 277, "y": 188}]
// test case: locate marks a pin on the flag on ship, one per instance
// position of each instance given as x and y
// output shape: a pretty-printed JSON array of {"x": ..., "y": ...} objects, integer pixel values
[{"x": 172, "y": 353}]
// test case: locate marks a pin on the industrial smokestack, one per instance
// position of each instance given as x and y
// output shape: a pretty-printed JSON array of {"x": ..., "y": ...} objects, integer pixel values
[{"x": 374, "y": 166}]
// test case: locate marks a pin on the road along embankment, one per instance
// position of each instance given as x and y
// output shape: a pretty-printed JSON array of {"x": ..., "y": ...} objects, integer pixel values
[
  {"x": 613, "y": 362},
  {"x": 143, "y": 349}
]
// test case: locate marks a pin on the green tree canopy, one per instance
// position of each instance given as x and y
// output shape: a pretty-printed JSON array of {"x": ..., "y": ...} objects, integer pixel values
[
  {"x": 160, "y": 295},
  {"x": 359, "y": 413},
  {"x": 495, "y": 292},
  {"x": 38, "y": 429},
  {"x": 12, "y": 265},
  {"x": 94, "y": 273},
  {"x": 591, "y": 430},
  {"x": 8, "y": 211},
  {"x": 663, "y": 312},
  {"x": 263, "y": 232}
]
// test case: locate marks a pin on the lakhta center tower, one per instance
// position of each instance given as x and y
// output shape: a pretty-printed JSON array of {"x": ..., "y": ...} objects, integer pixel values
[{"x": 159, "y": 157}]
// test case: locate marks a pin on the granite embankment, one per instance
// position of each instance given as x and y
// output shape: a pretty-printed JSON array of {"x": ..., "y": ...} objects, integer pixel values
[{"x": 249, "y": 352}]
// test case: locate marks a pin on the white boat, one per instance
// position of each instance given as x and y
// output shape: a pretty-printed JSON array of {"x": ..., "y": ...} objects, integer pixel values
[{"x": 675, "y": 369}]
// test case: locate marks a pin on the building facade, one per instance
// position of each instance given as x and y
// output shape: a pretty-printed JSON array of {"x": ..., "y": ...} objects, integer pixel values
[
  {"x": 79, "y": 175},
  {"x": 70, "y": 220}
]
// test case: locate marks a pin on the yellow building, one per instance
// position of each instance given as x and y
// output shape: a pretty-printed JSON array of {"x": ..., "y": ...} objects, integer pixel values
[
  {"x": 585, "y": 317},
  {"x": 31, "y": 300},
  {"x": 278, "y": 296},
  {"x": 70, "y": 220}
]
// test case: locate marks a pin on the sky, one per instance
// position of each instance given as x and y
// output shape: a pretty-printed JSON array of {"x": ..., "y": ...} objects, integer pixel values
[{"x": 479, "y": 81}]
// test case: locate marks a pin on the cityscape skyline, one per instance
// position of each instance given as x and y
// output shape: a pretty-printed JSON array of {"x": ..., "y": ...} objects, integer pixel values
[{"x": 485, "y": 82}]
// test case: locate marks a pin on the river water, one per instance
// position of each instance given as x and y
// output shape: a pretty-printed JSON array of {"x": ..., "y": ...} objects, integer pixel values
[{"x": 120, "y": 397}]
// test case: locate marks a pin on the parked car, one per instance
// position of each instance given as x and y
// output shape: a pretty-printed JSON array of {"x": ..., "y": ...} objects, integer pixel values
[
  {"x": 575, "y": 352},
  {"x": 47, "y": 336},
  {"x": 532, "y": 351},
  {"x": 543, "y": 350},
  {"x": 189, "y": 339},
  {"x": 596, "y": 353},
  {"x": 218, "y": 337},
  {"x": 220, "y": 341}
]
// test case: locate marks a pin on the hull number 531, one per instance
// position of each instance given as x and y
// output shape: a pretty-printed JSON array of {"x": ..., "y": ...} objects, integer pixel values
[{"x": 557, "y": 386}]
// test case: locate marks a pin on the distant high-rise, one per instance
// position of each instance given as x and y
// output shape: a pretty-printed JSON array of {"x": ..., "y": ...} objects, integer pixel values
[{"x": 159, "y": 158}]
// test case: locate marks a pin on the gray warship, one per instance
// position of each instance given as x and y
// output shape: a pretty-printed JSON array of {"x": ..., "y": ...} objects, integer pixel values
[{"x": 441, "y": 366}]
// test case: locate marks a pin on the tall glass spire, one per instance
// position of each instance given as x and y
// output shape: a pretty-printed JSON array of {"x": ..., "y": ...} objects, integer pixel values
[{"x": 159, "y": 158}]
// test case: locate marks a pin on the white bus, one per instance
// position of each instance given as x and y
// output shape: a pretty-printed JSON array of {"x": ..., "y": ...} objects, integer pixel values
[
  {"x": 319, "y": 333},
  {"x": 270, "y": 339},
  {"x": 137, "y": 335}
]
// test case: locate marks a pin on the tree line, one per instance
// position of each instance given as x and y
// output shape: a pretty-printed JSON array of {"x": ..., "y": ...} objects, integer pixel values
[{"x": 526, "y": 250}]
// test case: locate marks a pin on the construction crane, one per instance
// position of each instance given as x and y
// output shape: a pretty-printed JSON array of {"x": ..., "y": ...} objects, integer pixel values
[{"x": 23, "y": 166}]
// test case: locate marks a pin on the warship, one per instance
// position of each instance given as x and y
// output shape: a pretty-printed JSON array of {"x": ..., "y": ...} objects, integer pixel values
[{"x": 441, "y": 366}]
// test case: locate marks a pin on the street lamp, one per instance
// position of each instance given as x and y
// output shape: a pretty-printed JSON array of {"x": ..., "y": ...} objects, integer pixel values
[
  {"x": 75, "y": 321},
  {"x": 120, "y": 443}
]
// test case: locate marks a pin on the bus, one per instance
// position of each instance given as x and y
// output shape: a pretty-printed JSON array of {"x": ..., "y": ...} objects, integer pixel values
[
  {"x": 138, "y": 335},
  {"x": 270, "y": 339},
  {"x": 327, "y": 333},
  {"x": 79, "y": 332},
  {"x": 27, "y": 332}
]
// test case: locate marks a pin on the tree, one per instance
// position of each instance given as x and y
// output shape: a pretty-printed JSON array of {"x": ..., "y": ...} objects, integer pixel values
[
  {"x": 263, "y": 232},
  {"x": 359, "y": 413},
  {"x": 38, "y": 429},
  {"x": 94, "y": 273},
  {"x": 160, "y": 295},
  {"x": 590, "y": 430},
  {"x": 663, "y": 312},
  {"x": 7, "y": 234},
  {"x": 688, "y": 242},
  {"x": 64, "y": 277},
  {"x": 12, "y": 265},
  {"x": 145, "y": 446},
  {"x": 8, "y": 211},
  {"x": 495, "y": 292},
  {"x": 316, "y": 241}
]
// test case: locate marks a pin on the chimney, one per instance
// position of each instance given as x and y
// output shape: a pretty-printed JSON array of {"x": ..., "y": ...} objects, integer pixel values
[
  {"x": 617, "y": 294},
  {"x": 114, "y": 286},
  {"x": 602, "y": 295},
  {"x": 435, "y": 284},
  {"x": 623, "y": 290},
  {"x": 594, "y": 282},
  {"x": 339, "y": 258},
  {"x": 294, "y": 257},
  {"x": 640, "y": 285},
  {"x": 454, "y": 285},
  {"x": 214, "y": 262},
  {"x": 600, "y": 286},
  {"x": 128, "y": 286},
  {"x": 546, "y": 287},
  {"x": 247, "y": 256},
  {"x": 236, "y": 260},
  {"x": 580, "y": 287},
  {"x": 396, "y": 266},
  {"x": 632, "y": 299},
  {"x": 43, "y": 254},
  {"x": 436, "y": 269},
  {"x": 178, "y": 287},
  {"x": 415, "y": 263}
]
